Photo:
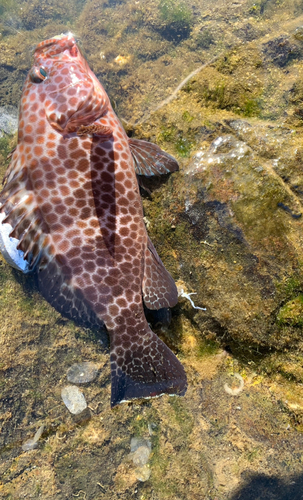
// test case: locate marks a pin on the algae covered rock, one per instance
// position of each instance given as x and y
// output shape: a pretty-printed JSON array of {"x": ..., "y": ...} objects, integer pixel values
[{"x": 237, "y": 203}]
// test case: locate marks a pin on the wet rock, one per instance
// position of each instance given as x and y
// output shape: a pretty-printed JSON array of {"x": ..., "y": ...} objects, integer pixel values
[
  {"x": 8, "y": 120},
  {"x": 247, "y": 32},
  {"x": 237, "y": 205},
  {"x": 221, "y": 149},
  {"x": 143, "y": 473},
  {"x": 140, "y": 450},
  {"x": 281, "y": 51},
  {"x": 81, "y": 373},
  {"x": 73, "y": 399}
]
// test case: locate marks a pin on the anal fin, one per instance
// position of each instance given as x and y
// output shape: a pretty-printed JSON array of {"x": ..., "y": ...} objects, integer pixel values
[{"x": 159, "y": 289}]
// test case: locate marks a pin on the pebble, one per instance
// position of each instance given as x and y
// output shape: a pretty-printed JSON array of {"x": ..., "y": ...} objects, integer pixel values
[
  {"x": 298, "y": 34},
  {"x": 142, "y": 473},
  {"x": 30, "y": 444},
  {"x": 81, "y": 373},
  {"x": 8, "y": 120},
  {"x": 73, "y": 399},
  {"x": 140, "y": 449}
]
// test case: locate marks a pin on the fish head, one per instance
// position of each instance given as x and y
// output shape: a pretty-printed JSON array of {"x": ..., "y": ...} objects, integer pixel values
[{"x": 63, "y": 84}]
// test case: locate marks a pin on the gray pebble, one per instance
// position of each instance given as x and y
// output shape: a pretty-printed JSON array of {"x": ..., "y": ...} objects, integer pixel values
[
  {"x": 140, "y": 450},
  {"x": 143, "y": 473},
  {"x": 73, "y": 399},
  {"x": 80, "y": 373},
  {"x": 30, "y": 444},
  {"x": 8, "y": 120}
]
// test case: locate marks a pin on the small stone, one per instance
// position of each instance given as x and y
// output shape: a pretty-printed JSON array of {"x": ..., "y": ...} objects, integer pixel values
[
  {"x": 30, "y": 444},
  {"x": 73, "y": 399},
  {"x": 298, "y": 34},
  {"x": 143, "y": 473},
  {"x": 141, "y": 455},
  {"x": 136, "y": 442},
  {"x": 8, "y": 120},
  {"x": 140, "y": 450},
  {"x": 81, "y": 373}
]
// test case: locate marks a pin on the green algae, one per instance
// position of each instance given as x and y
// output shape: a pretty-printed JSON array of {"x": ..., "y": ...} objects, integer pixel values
[
  {"x": 251, "y": 107},
  {"x": 7, "y": 6},
  {"x": 181, "y": 416},
  {"x": 204, "y": 38},
  {"x": 187, "y": 117},
  {"x": 177, "y": 17},
  {"x": 183, "y": 147},
  {"x": 5, "y": 149},
  {"x": 292, "y": 312},
  {"x": 207, "y": 347}
]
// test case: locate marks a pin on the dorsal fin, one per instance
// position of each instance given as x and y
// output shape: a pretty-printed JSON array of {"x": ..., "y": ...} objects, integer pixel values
[
  {"x": 159, "y": 289},
  {"x": 151, "y": 160}
]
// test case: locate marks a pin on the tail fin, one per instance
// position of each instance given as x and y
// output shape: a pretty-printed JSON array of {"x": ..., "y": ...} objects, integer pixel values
[{"x": 145, "y": 371}]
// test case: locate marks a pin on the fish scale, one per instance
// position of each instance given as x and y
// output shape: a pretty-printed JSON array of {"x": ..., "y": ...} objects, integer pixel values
[{"x": 72, "y": 199}]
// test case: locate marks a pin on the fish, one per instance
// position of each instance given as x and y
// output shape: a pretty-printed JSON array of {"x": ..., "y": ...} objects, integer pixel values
[{"x": 71, "y": 212}]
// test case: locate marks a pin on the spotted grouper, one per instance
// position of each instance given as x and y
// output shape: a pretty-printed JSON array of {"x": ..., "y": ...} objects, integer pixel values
[{"x": 71, "y": 212}]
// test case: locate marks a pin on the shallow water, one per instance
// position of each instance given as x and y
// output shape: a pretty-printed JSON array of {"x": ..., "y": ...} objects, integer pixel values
[{"x": 228, "y": 227}]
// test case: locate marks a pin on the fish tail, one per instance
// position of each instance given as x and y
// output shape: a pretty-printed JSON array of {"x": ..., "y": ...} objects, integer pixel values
[{"x": 145, "y": 368}]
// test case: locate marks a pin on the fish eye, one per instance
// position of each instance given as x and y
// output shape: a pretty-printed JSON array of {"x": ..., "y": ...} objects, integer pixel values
[
  {"x": 37, "y": 75},
  {"x": 43, "y": 72}
]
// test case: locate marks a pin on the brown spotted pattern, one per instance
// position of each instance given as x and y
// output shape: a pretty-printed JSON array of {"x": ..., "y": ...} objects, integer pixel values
[{"x": 73, "y": 202}]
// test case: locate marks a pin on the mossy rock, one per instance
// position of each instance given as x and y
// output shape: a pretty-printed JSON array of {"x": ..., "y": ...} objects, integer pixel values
[
  {"x": 242, "y": 253},
  {"x": 292, "y": 312},
  {"x": 225, "y": 91}
]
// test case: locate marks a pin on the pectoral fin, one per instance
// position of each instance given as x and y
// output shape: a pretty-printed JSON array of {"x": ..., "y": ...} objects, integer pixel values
[{"x": 151, "y": 160}]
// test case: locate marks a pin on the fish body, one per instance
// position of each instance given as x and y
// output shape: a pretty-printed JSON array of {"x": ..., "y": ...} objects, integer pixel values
[{"x": 72, "y": 200}]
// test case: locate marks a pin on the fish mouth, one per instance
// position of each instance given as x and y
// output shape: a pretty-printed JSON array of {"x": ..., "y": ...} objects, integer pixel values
[{"x": 56, "y": 45}]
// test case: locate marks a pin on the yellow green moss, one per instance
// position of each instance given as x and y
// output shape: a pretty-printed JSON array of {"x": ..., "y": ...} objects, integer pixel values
[{"x": 292, "y": 312}]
